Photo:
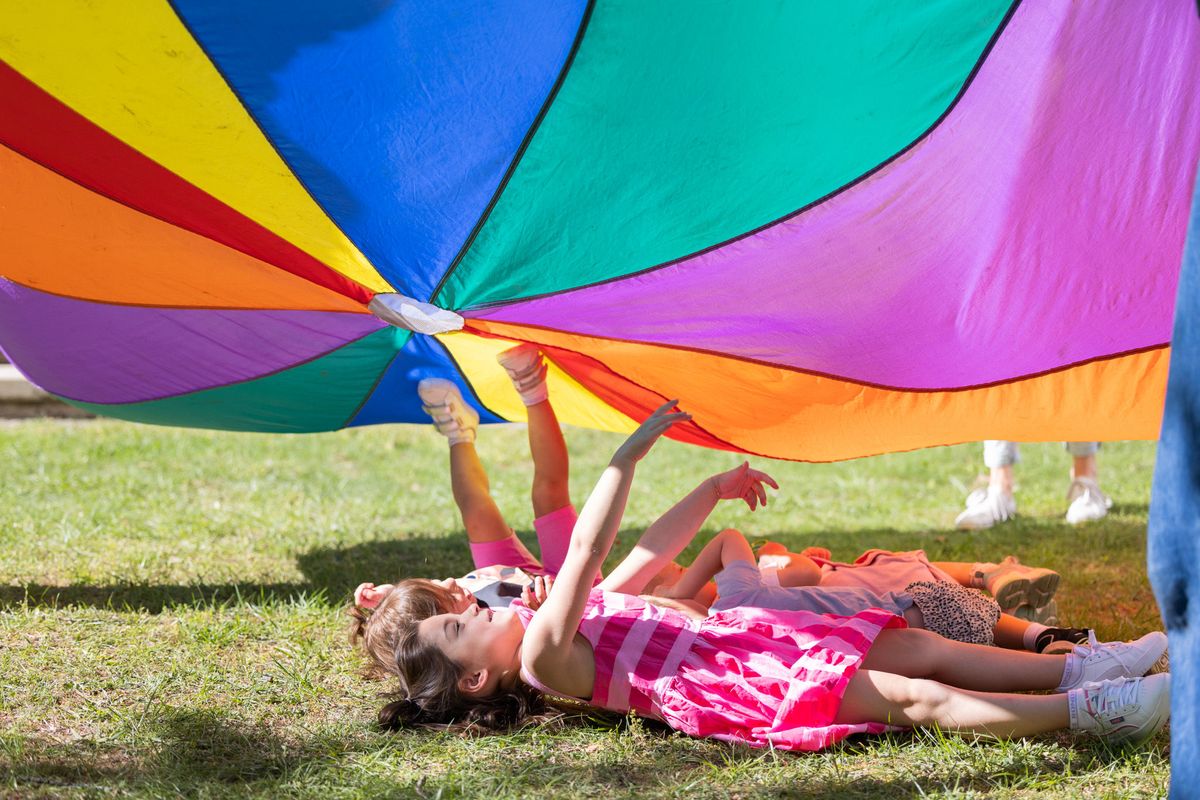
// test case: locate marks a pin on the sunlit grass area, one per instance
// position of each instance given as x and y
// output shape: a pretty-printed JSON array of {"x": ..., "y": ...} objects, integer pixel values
[{"x": 170, "y": 615}]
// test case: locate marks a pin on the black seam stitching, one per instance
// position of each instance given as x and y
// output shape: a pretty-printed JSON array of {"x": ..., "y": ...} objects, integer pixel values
[
  {"x": 126, "y": 304},
  {"x": 190, "y": 229},
  {"x": 467, "y": 381},
  {"x": 792, "y": 214},
  {"x": 844, "y": 379},
  {"x": 378, "y": 380},
  {"x": 270, "y": 374},
  {"x": 512, "y": 166},
  {"x": 734, "y": 448},
  {"x": 275, "y": 146}
]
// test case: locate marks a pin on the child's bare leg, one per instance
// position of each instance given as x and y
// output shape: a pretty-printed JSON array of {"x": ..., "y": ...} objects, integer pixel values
[
  {"x": 921, "y": 654},
  {"x": 874, "y": 696},
  {"x": 960, "y": 572},
  {"x": 1010, "y": 632},
  {"x": 551, "y": 465},
  {"x": 469, "y": 483}
]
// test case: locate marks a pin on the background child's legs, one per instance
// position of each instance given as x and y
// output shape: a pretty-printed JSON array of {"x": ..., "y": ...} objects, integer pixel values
[
  {"x": 491, "y": 539},
  {"x": 472, "y": 494},
  {"x": 875, "y": 696},
  {"x": 922, "y": 654},
  {"x": 961, "y": 572},
  {"x": 1010, "y": 632},
  {"x": 551, "y": 467}
]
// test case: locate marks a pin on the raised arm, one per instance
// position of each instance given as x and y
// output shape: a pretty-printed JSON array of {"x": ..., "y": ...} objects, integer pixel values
[
  {"x": 675, "y": 529},
  {"x": 722, "y": 550},
  {"x": 547, "y": 649}
]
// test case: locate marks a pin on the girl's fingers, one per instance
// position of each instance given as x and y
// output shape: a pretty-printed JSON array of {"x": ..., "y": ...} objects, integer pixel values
[
  {"x": 767, "y": 479},
  {"x": 665, "y": 407}
]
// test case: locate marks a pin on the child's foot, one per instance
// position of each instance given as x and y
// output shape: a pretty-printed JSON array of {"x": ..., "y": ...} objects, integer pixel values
[
  {"x": 452, "y": 417},
  {"x": 1056, "y": 641},
  {"x": 1101, "y": 661},
  {"x": 986, "y": 507},
  {"x": 1046, "y": 615},
  {"x": 527, "y": 370},
  {"x": 1014, "y": 584},
  {"x": 1128, "y": 710},
  {"x": 1086, "y": 503}
]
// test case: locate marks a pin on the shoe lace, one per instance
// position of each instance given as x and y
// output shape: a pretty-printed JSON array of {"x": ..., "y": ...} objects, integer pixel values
[
  {"x": 1085, "y": 651},
  {"x": 1114, "y": 694}
]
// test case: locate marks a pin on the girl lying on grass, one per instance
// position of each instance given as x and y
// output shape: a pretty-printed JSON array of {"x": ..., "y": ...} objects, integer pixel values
[
  {"x": 934, "y": 601},
  {"x": 790, "y": 679},
  {"x": 505, "y": 569}
]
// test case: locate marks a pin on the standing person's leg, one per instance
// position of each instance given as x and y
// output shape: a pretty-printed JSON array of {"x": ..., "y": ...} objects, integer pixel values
[
  {"x": 1085, "y": 501},
  {"x": 986, "y": 507},
  {"x": 491, "y": 540}
]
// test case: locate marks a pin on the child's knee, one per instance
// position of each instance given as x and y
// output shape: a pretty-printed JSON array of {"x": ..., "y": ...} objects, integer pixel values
[
  {"x": 926, "y": 700},
  {"x": 921, "y": 650}
]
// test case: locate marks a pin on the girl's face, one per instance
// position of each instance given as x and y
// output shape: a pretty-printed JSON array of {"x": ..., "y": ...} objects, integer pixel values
[
  {"x": 485, "y": 642},
  {"x": 461, "y": 597}
]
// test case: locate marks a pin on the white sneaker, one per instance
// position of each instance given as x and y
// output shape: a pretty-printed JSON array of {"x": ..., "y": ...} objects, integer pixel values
[
  {"x": 1101, "y": 661},
  {"x": 452, "y": 417},
  {"x": 1086, "y": 503},
  {"x": 985, "y": 508},
  {"x": 527, "y": 370},
  {"x": 1127, "y": 710}
]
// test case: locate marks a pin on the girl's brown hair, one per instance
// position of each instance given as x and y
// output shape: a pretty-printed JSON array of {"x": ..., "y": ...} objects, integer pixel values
[
  {"x": 430, "y": 697},
  {"x": 374, "y": 631}
]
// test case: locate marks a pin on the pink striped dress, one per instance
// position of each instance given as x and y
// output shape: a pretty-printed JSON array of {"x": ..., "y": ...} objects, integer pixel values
[{"x": 752, "y": 675}]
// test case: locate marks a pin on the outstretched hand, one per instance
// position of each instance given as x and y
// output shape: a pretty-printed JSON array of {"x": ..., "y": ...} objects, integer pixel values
[
  {"x": 641, "y": 440},
  {"x": 744, "y": 482}
]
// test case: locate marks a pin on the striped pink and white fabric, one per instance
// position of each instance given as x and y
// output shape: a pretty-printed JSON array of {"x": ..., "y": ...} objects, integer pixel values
[{"x": 759, "y": 676}]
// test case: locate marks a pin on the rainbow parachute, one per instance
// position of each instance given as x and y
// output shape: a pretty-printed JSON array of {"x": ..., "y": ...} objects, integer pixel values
[{"x": 832, "y": 229}]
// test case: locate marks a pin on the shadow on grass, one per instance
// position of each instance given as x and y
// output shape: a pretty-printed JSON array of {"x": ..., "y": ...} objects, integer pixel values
[
  {"x": 191, "y": 752},
  {"x": 332, "y": 573},
  {"x": 184, "y": 748}
]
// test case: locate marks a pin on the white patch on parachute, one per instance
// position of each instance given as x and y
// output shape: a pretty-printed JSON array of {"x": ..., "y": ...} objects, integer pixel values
[{"x": 413, "y": 315}]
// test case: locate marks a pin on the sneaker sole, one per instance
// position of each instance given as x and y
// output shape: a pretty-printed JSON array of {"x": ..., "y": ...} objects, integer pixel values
[
  {"x": 1162, "y": 665},
  {"x": 1045, "y": 615},
  {"x": 1036, "y": 591}
]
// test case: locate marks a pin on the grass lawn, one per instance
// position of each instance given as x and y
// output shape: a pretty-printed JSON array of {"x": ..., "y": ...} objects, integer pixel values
[{"x": 170, "y": 616}]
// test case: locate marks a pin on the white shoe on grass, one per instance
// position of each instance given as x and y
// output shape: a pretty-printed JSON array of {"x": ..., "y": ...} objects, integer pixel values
[
  {"x": 986, "y": 507},
  {"x": 1086, "y": 503},
  {"x": 1101, "y": 661},
  {"x": 527, "y": 371},
  {"x": 452, "y": 417},
  {"x": 1122, "y": 710}
]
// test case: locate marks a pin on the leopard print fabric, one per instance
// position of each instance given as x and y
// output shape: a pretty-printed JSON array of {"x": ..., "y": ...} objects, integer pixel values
[{"x": 955, "y": 612}]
